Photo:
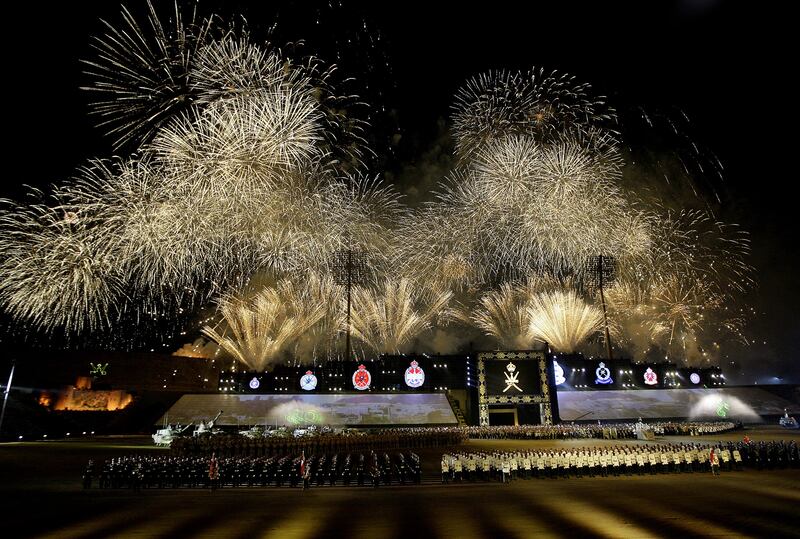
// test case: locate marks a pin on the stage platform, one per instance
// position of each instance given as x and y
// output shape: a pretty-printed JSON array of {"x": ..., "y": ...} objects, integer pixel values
[
  {"x": 352, "y": 409},
  {"x": 746, "y": 404}
]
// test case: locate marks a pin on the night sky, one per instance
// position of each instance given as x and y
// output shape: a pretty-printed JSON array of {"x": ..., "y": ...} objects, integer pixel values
[{"x": 726, "y": 65}]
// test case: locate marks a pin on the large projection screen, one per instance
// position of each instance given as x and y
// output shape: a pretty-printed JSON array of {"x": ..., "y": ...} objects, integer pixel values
[
  {"x": 334, "y": 410},
  {"x": 746, "y": 404}
]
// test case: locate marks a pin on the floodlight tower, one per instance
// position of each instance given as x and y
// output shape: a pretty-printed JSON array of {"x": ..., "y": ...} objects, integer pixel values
[
  {"x": 601, "y": 270},
  {"x": 349, "y": 268}
]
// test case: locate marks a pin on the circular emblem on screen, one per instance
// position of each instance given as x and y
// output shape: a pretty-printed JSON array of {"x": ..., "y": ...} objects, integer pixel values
[
  {"x": 559, "y": 373},
  {"x": 650, "y": 377},
  {"x": 415, "y": 376},
  {"x": 361, "y": 378},
  {"x": 254, "y": 383},
  {"x": 308, "y": 381},
  {"x": 695, "y": 378},
  {"x": 603, "y": 374}
]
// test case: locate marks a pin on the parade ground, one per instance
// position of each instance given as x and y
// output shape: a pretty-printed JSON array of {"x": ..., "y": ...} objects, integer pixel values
[{"x": 43, "y": 497}]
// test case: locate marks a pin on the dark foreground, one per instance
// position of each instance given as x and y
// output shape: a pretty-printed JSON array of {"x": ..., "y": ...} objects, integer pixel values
[{"x": 42, "y": 497}]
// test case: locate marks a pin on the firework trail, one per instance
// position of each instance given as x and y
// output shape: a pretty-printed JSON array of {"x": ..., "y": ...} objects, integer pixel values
[
  {"x": 562, "y": 319},
  {"x": 141, "y": 72},
  {"x": 258, "y": 330},
  {"x": 55, "y": 271},
  {"x": 388, "y": 318},
  {"x": 520, "y": 206},
  {"x": 534, "y": 103},
  {"x": 694, "y": 244},
  {"x": 503, "y": 314},
  {"x": 249, "y": 162}
]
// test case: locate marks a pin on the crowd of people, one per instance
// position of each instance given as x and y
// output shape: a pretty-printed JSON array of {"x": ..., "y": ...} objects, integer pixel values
[
  {"x": 146, "y": 472},
  {"x": 611, "y": 431},
  {"x": 351, "y": 440},
  {"x": 617, "y": 460},
  {"x": 373, "y": 467},
  {"x": 232, "y": 445}
]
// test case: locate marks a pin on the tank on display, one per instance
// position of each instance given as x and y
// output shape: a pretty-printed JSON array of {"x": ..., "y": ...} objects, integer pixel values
[
  {"x": 788, "y": 422},
  {"x": 163, "y": 437},
  {"x": 206, "y": 428}
]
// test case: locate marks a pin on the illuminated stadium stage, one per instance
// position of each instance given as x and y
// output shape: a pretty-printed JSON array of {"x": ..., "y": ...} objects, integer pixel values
[
  {"x": 746, "y": 404},
  {"x": 370, "y": 409},
  {"x": 491, "y": 388}
]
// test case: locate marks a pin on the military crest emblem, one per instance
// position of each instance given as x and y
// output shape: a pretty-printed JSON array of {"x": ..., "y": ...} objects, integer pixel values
[
  {"x": 308, "y": 381},
  {"x": 414, "y": 376},
  {"x": 362, "y": 378},
  {"x": 603, "y": 374}
]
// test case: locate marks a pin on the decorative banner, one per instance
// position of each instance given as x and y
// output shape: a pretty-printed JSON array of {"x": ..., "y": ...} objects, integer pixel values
[
  {"x": 254, "y": 383},
  {"x": 512, "y": 378},
  {"x": 695, "y": 378},
  {"x": 603, "y": 375},
  {"x": 308, "y": 381},
  {"x": 559, "y": 372},
  {"x": 362, "y": 378},
  {"x": 415, "y": 376},
  {"x": 650, "y": 377}
]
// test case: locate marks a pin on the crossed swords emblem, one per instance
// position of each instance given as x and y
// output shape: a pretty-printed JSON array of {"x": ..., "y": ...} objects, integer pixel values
[{"x": 512, "y": 378}]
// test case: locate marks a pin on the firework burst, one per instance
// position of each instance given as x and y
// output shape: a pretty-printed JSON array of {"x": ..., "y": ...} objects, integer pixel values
[
  {"x": 141, "y": 72},
  {"x": 562, "y": 319},
  {"x": 259, "y": 329},
  {"x": 534, "y": 103},
  {"x": 503, "y": 314},
  {"x": 388, "y": 318},
  {"x": 56, "y": 271}
]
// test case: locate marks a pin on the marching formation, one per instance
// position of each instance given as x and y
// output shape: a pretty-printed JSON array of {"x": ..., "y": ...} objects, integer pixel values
[
  {"x": 505, "y": 466},
  {"x": 138, "y": 472},
  {"x": 606, "y": 432},
  {"x": 342, "y": 442},
  {"x": 322, "y": 441}
]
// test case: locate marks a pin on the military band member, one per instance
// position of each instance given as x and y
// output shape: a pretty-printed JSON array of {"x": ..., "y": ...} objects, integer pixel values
[
  {"x": 552, "y": 465},
  {"x": 604, "y": 462},
  {"x": 471, "y": 467},
  {"x": 725, "y": 455},
  {"x": 713, "y": 461},
  {"x": 615, "y": 462},
  {"x": 737, "y": 459},
  {"x": 527, "y": 465}
]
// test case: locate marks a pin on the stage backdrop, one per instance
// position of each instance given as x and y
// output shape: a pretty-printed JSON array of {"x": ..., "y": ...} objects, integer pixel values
[
  {"x": 746, "y": 404},
  {"x": 336, "y": 410}
]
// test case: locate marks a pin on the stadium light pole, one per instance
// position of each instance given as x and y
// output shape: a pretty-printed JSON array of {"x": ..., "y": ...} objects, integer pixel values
[
  {"x": 5, "y": 394},
  {"x": 349, "y": 269},
  {"x": 601, "y": 268}
]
